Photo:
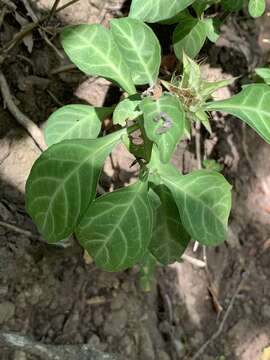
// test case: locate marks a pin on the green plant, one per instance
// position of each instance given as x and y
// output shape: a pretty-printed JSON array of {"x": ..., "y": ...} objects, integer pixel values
[{"x": 152, "y": 220}]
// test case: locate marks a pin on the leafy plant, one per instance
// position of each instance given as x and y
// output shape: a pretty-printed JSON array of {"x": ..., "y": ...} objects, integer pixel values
[{"x": 153, "y": 220}]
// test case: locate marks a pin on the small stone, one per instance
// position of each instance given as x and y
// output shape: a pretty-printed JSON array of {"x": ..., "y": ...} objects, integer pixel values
[{"x": 7, "y": 311}]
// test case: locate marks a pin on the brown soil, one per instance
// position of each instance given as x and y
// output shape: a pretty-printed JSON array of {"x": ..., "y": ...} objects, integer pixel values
[{"x": 51, "y": 294}]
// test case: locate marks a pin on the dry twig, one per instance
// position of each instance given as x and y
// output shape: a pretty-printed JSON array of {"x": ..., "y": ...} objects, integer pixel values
[{"x": 33, "y": 130}]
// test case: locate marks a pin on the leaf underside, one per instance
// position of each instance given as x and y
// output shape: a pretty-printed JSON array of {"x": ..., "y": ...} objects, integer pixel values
[
  {"x": 169, "y": 239},
  {"x": 256, "y": 7}
]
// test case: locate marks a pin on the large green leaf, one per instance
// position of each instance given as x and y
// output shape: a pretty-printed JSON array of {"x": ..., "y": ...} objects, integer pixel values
[
  {"x": 157, "y": 10},
  {"x": 203, "y": 199},
  {"x": 116, "y": 228},
  {"x": 63, "y": 182},
  {"x": 169, "y": 239},
  {"x": 93, "y": 50},
  {"x": 127, "y": 109},
  {"x": 75, "y": 122},
  {"x": 139, "y": 47},
  {"x": 157, "y": 113},
  {"x": 256, "y": 7},
  {"x": 251, "y": 105},
  {"x": 189, "y": 37}
]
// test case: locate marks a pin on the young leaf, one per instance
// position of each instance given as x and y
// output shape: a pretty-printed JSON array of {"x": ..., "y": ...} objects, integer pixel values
[
  {"x": 256, "y": 7},
  {"x": 191, "y": 74},
  {"x": 169, "y": 239},
  {"x": 127, "y": 109},
  {"x": 264, "y": 73},
  {"x": 75, "y": 122},
  {"x": 189, "y": 36},
  {"x": 164, "y": 123},
  {"x": 93, "y": 50},
  {"x": 208, "y": 88},
  {"x": 139, "y": 47},
  {"x": 63, "y": 182},
  {"x": 251, "y": 105},
  {"x": 203, "y": 199},
  {"x": 116, "y": 229},
  {"x": 211, "y": 28},
  {"x": 157, "y": 10}
]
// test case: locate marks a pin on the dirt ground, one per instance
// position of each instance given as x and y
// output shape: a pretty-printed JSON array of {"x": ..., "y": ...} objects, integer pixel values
[{"x": 51, "y": 294}]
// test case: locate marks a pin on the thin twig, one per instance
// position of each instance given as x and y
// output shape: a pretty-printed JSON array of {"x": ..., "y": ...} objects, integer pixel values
[
  {"x": 199, "y": 160},
  {"x": 216, "y": 334},
  {"x": 53, "y": 10},
  {"x": 29, "y": 234},
  {"x": 33, "y": 130},
  {"x": 52, "y": 352},
  {"x": 41, "y": 32},
  {"x": 30, "y": 27}
]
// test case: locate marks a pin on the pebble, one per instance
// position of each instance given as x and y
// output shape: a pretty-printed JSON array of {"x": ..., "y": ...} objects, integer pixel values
[{"x": 7, "y": 311}]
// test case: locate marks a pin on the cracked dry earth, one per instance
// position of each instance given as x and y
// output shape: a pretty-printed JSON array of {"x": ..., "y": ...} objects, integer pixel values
[{"x": 53, "y": 295}]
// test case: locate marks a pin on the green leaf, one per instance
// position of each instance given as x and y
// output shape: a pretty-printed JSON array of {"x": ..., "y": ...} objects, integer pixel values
[
  {"x": 93, "y": 50},
  {"x": 127, "y": 109},
  {"x": 211, "y": 28},
  {"x": 203, "y": 199},
  {"x": 116, "y": 228},
  {"x": 75, "y": 122},
  {"x": 252, "y": 105},
  {"x": 139, "y": 47},
  {"x": 256, "y": 8},
  {"x": 189, "y": 36},
  {"x": 164, "y": 121},
  {"x": 191, "y": 74},
  {"x": 232, "y": 5},
  {"x": 157, "y": 10},
  {"x": 264, "y": 73},
  {"x": 63, "y": 182},
  {"x": 169, "y": 239}
]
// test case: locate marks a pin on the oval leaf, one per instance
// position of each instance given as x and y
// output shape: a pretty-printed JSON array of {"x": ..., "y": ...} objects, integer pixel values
[
  {"x": 93, "y": 50},
  {"x": 164, "y": 123},
  {"x": 116, "y": 228},
  {"x": 203, "y": 199},
  {"x": 251, "y": 105},
  {"x": 139, "y": 47},
  {"x": 75, "y": 122},
  {"x": 189, "y": 37},
  {"x": 232, "y": 5},
  {"x": 63, "y": 182},
  {"x": 256, "y": 8},
  {"x": 169, "y": 239},
  {"x": 127, "y": 109},
  {"x": 157, "y": 10}
]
